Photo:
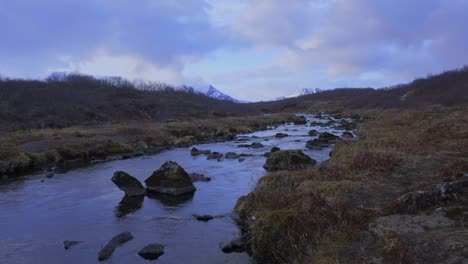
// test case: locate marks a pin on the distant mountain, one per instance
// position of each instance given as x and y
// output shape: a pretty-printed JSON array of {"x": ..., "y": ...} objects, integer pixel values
[
  {"x": 300, "y": 92},
  {"x": 212, "y": 92}
]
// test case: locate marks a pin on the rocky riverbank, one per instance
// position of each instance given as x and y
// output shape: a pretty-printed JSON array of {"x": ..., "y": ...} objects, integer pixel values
[
  {"x": 51, "y": 149},
  {"x": 398, "y": 194}
]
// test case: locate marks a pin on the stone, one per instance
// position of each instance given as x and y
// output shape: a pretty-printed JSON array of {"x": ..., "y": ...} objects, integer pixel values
[
  {"x": 106, "y": 252},
  {"x": 152, "y": 251},
  {"x": 300, "y": 120},
  {"x": 288, "y": 160},
  {"x": 67, "y": 244},
  {"x": 129, "y": 184},
  {"x": 274, "y": 149},
  {"x": 331, "y": 138},
  {"x": 171, "y": 178},
  {"x": 317, "y": 144},
  {"x": 281, "y": 135},
  {"x": 347, "y": 135},
  {"x": 199, "y": 177},
  {"x": 196, "y": 152},
  {"x": 235, "y": 245},
  {"x": 313, "y": 133},
  {"x": 204, "y": 218},
  {"x": 231, "y": 155},
  {"x": 450, "y": 192},
  {"x": 215, "y": 155},
  {"x": 256, "y": 145}
]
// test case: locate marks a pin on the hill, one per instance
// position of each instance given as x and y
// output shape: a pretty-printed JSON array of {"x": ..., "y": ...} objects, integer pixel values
[
  {"x": 63, "y": 100},
  {"x": 449, "y": 88}
]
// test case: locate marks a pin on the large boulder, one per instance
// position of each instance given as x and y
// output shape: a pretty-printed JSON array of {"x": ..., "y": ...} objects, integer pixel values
[
  {"x": 106, "y": 251},
  {"x": 170, "y": 179},
  {"x": 129, "y": 184},
  {"x": 288, "y": 160}
]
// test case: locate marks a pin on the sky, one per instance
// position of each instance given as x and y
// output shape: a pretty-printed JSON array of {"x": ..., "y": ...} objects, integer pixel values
[{"x": 249, "y": 49}]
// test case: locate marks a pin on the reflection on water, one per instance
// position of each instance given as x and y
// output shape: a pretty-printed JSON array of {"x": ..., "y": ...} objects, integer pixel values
[
  {"x": 128, "y": 204},
  {"x": 172, "y": 200},
  {"x": 84, "y": 205}
]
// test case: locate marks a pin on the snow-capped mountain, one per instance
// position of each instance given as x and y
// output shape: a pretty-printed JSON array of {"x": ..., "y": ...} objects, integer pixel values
[
  {"x": 300, "y": 92},
  {"x": 212, "y": 92}
]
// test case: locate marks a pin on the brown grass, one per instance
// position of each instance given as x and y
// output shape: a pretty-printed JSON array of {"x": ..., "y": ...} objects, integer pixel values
[
  {"x": 26, "y": 150},
  {"x": 315, "y": 215}
]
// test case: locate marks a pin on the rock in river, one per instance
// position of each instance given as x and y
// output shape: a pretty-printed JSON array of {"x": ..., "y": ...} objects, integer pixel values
[
  {"x": 215, "y": 155},
  {"x": 256, "y": 145},
  {"x": 204, "y": 218},
  {"x": 152, "y": 251},
  {"x": 313, "y": 133},
  {"x": 281, "y": 135},
  {"x": 300, "y": 120},
  {"x": 170, "y": 179},
  {"x": 288, "y": 160},
  {"x": 106, "y": 252},
  {"x": 231, "y": 155},
  {"x": 129, "y": 184},
  {"x": 347, "y": 134},
  {"x": 67, "y": 244},
  {"x": 196, "y": 152},
  {"x": 235, "y": 245},
  {"x": 199, "y": 177}
]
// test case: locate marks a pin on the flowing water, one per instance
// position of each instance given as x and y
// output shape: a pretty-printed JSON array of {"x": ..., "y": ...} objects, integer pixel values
[{"x": 38, "y": 213}]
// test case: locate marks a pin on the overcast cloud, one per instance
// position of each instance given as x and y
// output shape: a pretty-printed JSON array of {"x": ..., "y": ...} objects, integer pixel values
[{"x": 286, "y": 45}]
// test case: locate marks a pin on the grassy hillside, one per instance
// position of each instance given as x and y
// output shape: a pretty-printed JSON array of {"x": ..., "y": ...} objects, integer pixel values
[
  {"x": 72, "y": 99},
  {"x": 448, "y": 89}
]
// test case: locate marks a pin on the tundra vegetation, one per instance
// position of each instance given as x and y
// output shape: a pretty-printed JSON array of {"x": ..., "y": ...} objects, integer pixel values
[
  {"x": 404, "y": 163},
  {"x": 397, "y": 193}
]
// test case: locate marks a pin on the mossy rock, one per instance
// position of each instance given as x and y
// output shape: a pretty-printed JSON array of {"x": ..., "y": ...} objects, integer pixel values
[
  {"x": 171, "y": 178},
  {"x": 288, "y": 160},
  {"x": 116, "y": 147}
]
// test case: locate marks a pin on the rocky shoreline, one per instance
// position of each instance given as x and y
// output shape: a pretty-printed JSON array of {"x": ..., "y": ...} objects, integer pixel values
[
  {"x": 33, "y": 164},
  {"x": 404, "y": 204}
]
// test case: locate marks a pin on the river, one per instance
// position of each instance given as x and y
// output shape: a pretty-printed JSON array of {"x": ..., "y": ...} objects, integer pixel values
[{"x": 38, "y": 213}]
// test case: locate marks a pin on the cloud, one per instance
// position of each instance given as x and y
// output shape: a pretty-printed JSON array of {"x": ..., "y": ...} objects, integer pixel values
[
  {"x": 339, "y": 43},
  {"x": 286, "y": 45},
  {"x": 164, "y": 33}
]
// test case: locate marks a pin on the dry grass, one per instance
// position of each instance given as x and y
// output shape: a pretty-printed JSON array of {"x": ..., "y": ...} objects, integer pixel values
[
  {"x": 314, "y": 216},
  {"x": 30, "y": 149}
]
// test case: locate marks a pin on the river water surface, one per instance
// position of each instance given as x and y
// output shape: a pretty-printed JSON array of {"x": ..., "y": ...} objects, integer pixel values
[{"x": 38, "y": 214}]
